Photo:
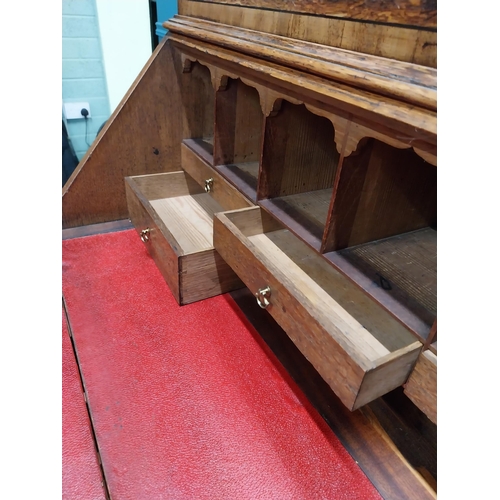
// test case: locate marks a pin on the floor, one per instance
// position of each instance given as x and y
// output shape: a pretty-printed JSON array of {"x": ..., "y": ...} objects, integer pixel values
[{"x": 156, "y": 404}]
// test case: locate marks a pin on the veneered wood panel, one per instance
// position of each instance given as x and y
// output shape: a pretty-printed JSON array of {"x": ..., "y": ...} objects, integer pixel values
[
  {"x": 409, "y": 82},
  {"x": 394, "y": 42},
  {"x": 421, "y": 13}
]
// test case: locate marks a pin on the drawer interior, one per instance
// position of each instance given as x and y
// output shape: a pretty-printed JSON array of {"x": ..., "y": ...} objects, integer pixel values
[
  {"x": 185, "y": 210},
  {"x": 369, "y": 329}
]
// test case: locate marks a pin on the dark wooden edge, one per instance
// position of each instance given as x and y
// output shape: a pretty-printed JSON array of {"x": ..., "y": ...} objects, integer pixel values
[
  {"x": 390, "y": 439},
  {"x": 102, "y": 228},
  {"x": 395, "y": 114}
]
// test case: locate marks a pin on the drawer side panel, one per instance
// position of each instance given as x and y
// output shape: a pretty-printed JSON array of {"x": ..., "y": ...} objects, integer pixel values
[{"x": 164, "y": 256}]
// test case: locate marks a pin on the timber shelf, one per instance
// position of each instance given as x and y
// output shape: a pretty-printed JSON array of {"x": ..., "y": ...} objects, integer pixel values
[
  {"x": 400, "y": 273},
  {"x": 238, "y": 135}
]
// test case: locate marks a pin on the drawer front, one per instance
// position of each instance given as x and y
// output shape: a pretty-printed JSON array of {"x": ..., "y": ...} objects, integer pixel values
[
  {"x": 220, "y": 189},
  {"x": 354, "y": 378},
  {"x": 160, "y": 250},
  {"x": 421, "y": 387}
]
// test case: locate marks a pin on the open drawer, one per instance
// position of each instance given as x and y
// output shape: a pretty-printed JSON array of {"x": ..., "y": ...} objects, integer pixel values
[
  {"x": 360, "y": 350},
  {"x": 174, "y": 217}
]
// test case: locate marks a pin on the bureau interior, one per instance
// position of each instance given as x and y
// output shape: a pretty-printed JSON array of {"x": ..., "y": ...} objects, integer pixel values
[
  {"x": 238, "y": 135},
  {"x": 299, "y": 163},
  {"x": 382, "y": 231},
  {"x": 312, "y": 276}
]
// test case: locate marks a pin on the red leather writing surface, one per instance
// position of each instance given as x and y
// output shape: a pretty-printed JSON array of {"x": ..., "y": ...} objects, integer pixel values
[
  {"x": 187, "y": 402},
  {"x": 81, "y": 476}
]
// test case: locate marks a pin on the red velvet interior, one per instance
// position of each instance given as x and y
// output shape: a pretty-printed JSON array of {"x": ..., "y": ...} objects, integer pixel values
[{"x": 188, "y": 402}]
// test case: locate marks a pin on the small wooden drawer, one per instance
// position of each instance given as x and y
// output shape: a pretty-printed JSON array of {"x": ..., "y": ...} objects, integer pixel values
[
  {"x": 421, "y": 387},
  {"x": 360, "y": 350},
  {"x": 174, "y": 216},
  {"x": 197, "y": 163}
]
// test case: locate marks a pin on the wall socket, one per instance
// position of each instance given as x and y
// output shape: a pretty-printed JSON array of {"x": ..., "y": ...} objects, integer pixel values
[{"x": 73, "y": 110}]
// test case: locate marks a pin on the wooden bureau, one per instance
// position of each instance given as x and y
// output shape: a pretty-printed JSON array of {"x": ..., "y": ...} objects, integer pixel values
[{"x": 262, "y": 148}]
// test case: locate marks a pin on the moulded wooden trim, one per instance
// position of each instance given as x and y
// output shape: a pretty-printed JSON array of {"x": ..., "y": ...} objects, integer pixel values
[
  {"x": 407, "y": 82},
  {"x": 393, "y": 42},
  {"x": 418, "y": 13},
  {"x": 418, "y": 123},
  {"x": 342, "y": 121}
]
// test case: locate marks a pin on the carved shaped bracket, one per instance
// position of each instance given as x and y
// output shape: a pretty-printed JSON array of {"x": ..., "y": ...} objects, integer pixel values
[{"x": 349, "y": 131}]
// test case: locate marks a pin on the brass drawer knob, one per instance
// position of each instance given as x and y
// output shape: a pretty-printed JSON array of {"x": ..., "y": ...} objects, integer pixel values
[
  {"x": 208, "y": 185},
  {"x": 145, "y": 235},
  {"x": 262, "y": 296}
]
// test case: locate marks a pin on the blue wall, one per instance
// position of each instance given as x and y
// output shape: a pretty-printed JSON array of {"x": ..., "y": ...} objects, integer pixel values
[
  {"x": 165, "y": 9},
  {"x": 83, "y": 77}
]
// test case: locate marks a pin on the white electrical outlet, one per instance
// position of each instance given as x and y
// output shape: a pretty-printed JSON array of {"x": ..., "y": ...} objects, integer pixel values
[{"x": 73, "y": 110}]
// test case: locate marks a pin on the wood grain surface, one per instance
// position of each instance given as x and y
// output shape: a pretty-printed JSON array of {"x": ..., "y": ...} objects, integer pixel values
[
  {"x": 381, "y": 192},
  {"x": 403, "y": 119},
  {"x": 299, "y": 153},
  {"x": 142, "y": 136},
  {"x": 238, "y": 124},
  {"x": 355, "y": 361},
  {"x": 226, "y": 195},
  {"x": 421, "y": 13},
  {"x": 401, "y": 43},
  {"x": 179, "y": 219},
  {"x": 421, "y": 387},
  {"x": 400, "y": 273},
  {"x": 408, "y": 82}
]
